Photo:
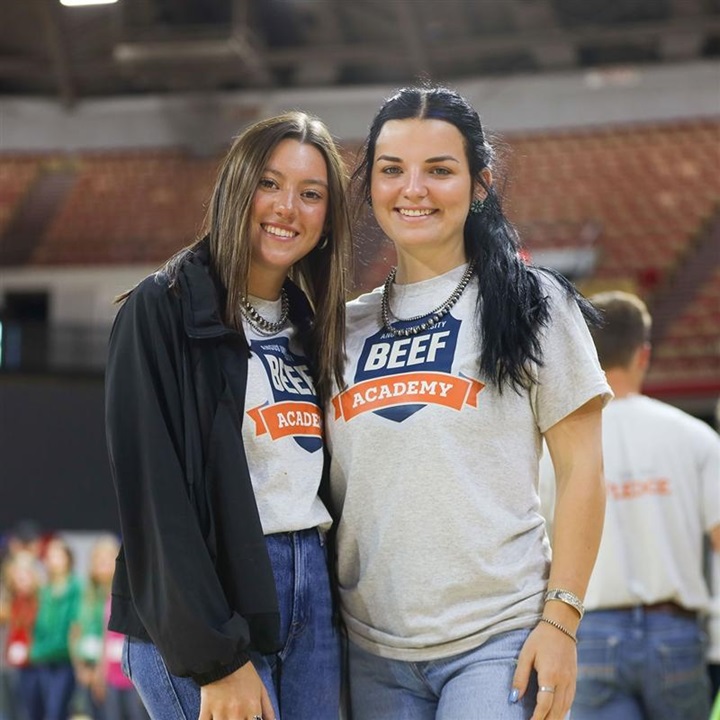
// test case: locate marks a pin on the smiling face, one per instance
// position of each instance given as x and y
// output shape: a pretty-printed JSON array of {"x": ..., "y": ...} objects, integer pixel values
[
  {"x": 102, "y": 561},
  {"x": 57, "y": 559},
  {"x": 421, "y": 190},
  {"x": 288, "y": 214}
]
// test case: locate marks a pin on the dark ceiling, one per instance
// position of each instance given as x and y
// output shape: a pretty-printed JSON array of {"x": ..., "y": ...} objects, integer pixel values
[{"x": 160, "y": 46}]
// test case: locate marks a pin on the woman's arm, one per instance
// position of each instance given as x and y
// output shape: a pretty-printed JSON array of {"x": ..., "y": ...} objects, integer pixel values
[
  {"x": 175, "y": 589},
  {"x": 575, "y": 445}
]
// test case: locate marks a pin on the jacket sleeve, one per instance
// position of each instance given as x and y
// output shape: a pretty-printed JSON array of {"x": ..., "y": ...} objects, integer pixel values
[{"x": 175, "y": 589}]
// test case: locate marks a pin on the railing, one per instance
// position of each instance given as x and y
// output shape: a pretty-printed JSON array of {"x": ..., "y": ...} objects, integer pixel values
[{"x": 31, "y": 346}]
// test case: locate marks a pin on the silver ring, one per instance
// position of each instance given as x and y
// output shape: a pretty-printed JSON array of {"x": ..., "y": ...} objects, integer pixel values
[
  {"x": 542, "y": 688},
  {"x": 257, "y": 717}
]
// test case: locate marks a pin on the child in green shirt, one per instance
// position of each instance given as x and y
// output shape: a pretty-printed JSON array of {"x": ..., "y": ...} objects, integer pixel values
[{"x": 47, "y": 683}]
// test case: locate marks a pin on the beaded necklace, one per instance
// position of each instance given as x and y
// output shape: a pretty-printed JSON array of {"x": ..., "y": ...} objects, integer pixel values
[{"x": 434, "y": 316}]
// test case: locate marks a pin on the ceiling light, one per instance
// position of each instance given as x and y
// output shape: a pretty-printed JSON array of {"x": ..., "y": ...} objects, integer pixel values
[{"x": 77, "y": 3}]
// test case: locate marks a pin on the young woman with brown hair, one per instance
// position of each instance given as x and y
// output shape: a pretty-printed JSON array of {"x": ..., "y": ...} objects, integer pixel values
[{"x": 218, "y": 368}]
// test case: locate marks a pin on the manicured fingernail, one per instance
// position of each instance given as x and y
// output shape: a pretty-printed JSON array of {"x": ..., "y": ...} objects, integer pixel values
[{"x": 513, "y": 696}]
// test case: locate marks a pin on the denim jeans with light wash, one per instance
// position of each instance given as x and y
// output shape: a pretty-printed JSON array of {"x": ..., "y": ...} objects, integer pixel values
[
  {"x": 640, "y": 665},
  {"x": 302, "y": 679},
  {"x": 474, "y": 685}
]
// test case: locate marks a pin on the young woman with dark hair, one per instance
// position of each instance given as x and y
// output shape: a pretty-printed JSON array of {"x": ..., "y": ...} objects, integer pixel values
[
  {"x": 217, "y": 371},
  {"x": 456, "y": 369}
]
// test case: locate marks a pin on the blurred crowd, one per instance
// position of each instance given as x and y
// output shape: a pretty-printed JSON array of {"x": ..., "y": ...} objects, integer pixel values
[{"x": 58, "y": 659}]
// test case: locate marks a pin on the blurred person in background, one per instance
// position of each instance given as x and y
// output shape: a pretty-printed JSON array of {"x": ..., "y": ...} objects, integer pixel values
[
  {"x": 48, "y": 681},
  {"x": 112, "y": 687},
  {"x": 642, "y": 645},
  {"x": 21, "y": 580},
  {"x": 456, "y": 369},
  {"x": 87, "y": 633},
  {"x": 218, "y": 368},
  {"x": 713, "y": 623},
  {"x": 713, "y": 570},
  {"x": 24, "y": 538}
]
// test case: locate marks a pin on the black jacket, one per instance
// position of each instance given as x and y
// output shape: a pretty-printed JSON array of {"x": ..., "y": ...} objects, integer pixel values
[{"x": 193, "y": 575}]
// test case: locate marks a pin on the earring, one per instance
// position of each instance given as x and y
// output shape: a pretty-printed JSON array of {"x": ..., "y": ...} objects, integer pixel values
[
  {"x": 476, "y": 206},
  {"x": 323, "y": 242},
  {"x": 369, "y": 201}
]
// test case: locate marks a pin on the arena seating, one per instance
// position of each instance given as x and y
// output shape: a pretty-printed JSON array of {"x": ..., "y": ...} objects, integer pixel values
[
  {"x": 649, "y": 189},
  {"x": 690, "y": 350},
  {"x": 128, "y": 207},
  {"x": 17, "y": 173},
  {"x": 640, "y": 196}
]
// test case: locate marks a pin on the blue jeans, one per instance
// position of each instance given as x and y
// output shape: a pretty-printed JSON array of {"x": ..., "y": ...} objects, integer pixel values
[
  {"x": 640, "y": 665},
  {"x": 302, "y": 679},
  {"x": 10, "y": 708},
  {"x": 471, "y": 686},
  {"x": 46, "y": 690},
  {"x": 84, "y": 704}
]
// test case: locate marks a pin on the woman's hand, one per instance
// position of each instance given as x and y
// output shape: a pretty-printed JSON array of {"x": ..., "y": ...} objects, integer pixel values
[
  {"x": 553, "y": 656},
  {"x": 238, "y": 696}
]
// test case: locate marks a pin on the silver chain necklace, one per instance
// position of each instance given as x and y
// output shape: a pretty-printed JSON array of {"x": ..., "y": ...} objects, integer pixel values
[
  {"x": 433, "y": 317},
  {"x": 261, "y": 324}
]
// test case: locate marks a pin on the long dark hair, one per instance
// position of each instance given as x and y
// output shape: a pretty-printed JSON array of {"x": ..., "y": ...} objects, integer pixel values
[{"x": 512, "y": 305}]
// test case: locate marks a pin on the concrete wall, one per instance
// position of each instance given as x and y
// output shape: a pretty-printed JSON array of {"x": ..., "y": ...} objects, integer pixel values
[
  {"x": 54, "y": 462},
  {"x": 206, "y": 122}
]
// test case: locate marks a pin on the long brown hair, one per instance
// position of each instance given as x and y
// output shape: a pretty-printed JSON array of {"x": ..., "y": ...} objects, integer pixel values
[{"x": 321, "y": 273}]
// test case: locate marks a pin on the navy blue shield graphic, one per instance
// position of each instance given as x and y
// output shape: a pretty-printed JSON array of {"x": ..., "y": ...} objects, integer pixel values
[
  {"x": 385, "y": 355},
  {"x": 295, "y": 411}
]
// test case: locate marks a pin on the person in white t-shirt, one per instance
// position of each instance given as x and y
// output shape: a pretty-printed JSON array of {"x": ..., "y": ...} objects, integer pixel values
[
  {"x": 641, "y": 648},
  {"x": 713, "y": 624},
  {"x": 455, "y": 371}
]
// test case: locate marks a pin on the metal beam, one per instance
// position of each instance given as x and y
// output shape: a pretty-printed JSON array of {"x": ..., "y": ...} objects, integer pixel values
[
  {"x": 248, "y": 46},
  {"x": 524, "y": 40},
  {"x": 372, "y": 13},
  {"x": 686, "y": 8},
  {"x": 683, "y": 46},
  {"x": 182, "y": 51},
  {"x": 241, "y": 47},
  {"x": 52, "y": 21},
  {"x": 539, "y": 16},
  {"x": 416, "y": 46},
  {"x": 374, "y": 54},
  {"x": 453, "y": 15},
  {"x": 326, "y": 24}
]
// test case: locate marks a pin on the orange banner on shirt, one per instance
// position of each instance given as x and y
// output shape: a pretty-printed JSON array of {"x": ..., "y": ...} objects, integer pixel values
[
  {"x": 631, "y": 489},
  {"x": 431, "y": 388},
  {"x": 287, "y": 419}
]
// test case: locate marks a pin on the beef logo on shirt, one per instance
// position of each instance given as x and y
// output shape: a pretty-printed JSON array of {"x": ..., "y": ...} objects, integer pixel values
[
  {"x": 294, "y": 411},
  {"x": 399, "y": 376}
]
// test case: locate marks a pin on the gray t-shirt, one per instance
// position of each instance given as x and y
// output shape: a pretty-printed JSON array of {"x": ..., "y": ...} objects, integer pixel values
[
  {"x": 282, "y": 430},
  {"x": 441, "y": 543}
]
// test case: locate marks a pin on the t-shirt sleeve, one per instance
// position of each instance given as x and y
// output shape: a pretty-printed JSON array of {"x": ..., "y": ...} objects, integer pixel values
[
  {"x": 710, "y": 475},
  {"x": 570, "y": 374}
]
